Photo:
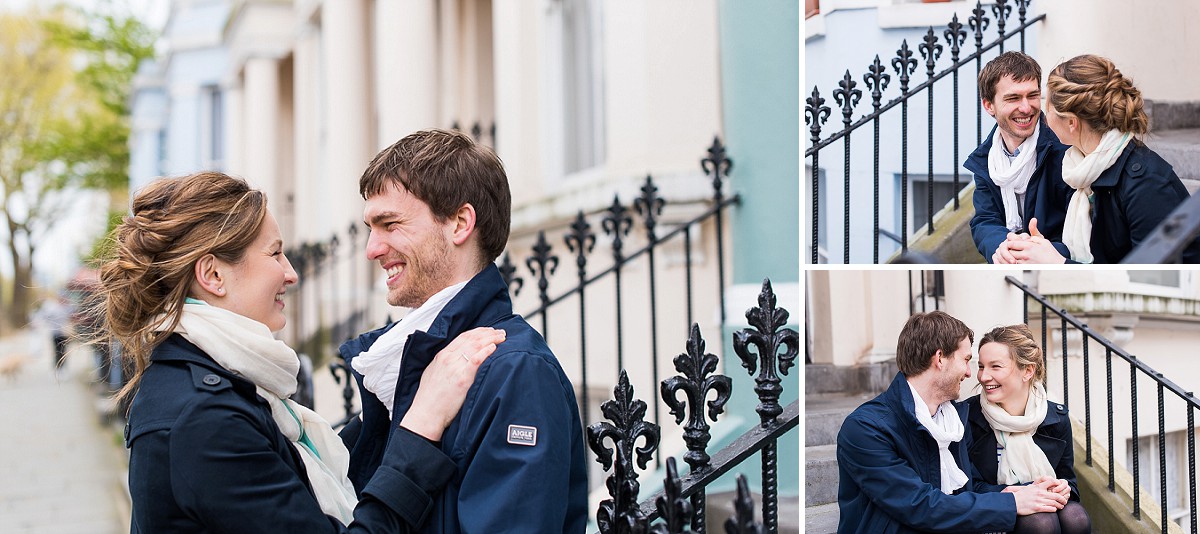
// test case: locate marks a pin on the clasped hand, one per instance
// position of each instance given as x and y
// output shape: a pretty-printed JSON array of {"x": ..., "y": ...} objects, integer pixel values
[{"x": 1027, "y": 248}]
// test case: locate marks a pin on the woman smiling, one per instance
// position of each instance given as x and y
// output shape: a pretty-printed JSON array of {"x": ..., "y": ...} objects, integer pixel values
[{"x": 1018, "y": 435}]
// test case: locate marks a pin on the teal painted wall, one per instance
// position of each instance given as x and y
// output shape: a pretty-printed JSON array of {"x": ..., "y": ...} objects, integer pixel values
[{"x": 760, "y": 85}]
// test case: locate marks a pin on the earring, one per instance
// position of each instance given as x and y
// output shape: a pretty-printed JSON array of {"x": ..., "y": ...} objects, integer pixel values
[{"x": 221, "y": 291}]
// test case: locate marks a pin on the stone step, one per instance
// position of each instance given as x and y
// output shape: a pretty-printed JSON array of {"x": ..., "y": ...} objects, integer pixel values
[
  {"x": 822, "y": 519},
  {"x": 820, "y": 475},
  {"x": 828, "y": 378},
  {"x": 719, "y": 508},
  {"x": 1181, "y": 148},
  {"x": 823, "y": 416}
]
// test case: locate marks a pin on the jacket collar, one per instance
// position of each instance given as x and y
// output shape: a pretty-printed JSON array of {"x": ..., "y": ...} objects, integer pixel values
[
  {"x": 177, "y": 349},
  {"x": 977, "y": 161},
  {"x": 483, "y": 301},
  {"x": 1111, "y": 175}
]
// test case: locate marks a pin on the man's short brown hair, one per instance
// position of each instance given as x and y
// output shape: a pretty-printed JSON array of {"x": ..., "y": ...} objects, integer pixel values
[
  {"x": 446, "y": 169},
  {"x": 923, "y": 335},
  {"x": 1018, "y": 65}
]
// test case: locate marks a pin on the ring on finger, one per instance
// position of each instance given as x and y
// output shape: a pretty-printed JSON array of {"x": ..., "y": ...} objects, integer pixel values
[{"x": 464, "y": 356}]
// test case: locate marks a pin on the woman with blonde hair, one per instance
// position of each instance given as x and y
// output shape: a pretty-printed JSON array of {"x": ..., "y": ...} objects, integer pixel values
[
  {"x": 193, "y": 292},
  {"x": 1123, "y": 189},
  {"x": 1018, "y": 435}
]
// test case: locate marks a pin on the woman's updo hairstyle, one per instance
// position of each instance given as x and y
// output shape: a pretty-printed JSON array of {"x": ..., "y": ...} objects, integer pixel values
[
  {"x": 1022, "y": 347},
  {"x": 1091, "y": 88},
  {"x": 150, "y": 270}
]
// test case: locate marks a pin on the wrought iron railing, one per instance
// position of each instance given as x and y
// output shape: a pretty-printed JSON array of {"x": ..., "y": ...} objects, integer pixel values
[
  {"x": 1136, "y": 368},
  {"x": 877, "y": 79},
  {"x": 767, "y": 348},
  {"x": 1173, "y": 235}
]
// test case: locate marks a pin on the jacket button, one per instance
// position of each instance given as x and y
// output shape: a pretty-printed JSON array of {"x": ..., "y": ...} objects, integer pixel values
[
  {"x": 211, "y": 379},
  {"x": 1060, "y": 407},
  {"x": 1135, "y": 167}
]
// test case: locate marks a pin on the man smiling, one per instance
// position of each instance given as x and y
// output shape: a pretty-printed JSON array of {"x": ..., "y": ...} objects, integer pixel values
[
  {"x": 1018, "y": 168},
  {"x": 438, "y": 209}
]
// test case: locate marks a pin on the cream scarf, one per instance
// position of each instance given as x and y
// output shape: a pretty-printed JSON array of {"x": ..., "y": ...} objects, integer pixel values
[
  {"x": 1012, "y": 177},
  {"x": 1022, "y": 461},
  {"x": 1079, "y": 172},
  {"x": 246, "y": 348},
  {"x": 380, "y": 364},
  {"x": 946, "y": 428}
]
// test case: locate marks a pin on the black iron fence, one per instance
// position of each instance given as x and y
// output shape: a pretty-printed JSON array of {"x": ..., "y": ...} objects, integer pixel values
[
  {"x": 848, "y": 95},
  {"x": 767, "y": 348},
  {"x": 1137, "y": 369},
  {"x": 1173, "y": 235}
]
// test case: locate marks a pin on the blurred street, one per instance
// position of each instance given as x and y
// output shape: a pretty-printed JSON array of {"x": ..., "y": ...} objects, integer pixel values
[{"x": 63, "y": 470}]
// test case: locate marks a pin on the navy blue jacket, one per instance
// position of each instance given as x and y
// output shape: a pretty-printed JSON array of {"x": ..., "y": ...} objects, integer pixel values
[
  {"x": 889, "y": 474},
  {"x": 509, "y": 479},
  {"x": 206, "y": 456},
  {"x": 1046, "y": 196},
  {"x": 1053, "y": 436},
  {"x": 1130, "y": 199}
]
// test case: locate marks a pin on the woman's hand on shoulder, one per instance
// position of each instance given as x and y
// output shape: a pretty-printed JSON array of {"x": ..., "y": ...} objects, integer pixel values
[{"x": 445, "y": 382}]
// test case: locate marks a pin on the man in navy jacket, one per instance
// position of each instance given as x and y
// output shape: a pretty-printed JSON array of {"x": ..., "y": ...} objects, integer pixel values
[
  {"x": 893, "y": 473},
  {"x": 1010, "y": 91},
  {"x": 438, "y": 206}
]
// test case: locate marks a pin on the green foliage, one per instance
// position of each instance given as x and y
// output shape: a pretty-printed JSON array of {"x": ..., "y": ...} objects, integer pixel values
[{"x": 64, "y": 118}]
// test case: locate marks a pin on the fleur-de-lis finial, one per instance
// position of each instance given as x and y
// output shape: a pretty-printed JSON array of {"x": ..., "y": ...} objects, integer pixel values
[
  {"x": 930, "y": 50},
  {"x": 847, "y": 96},
  {"x": 621, "y": 513},
  {"x": 767, "y": 336},
  {"x": 696, "y": 380},
  {"x": 815, "y": 114},
  {"x": 905, "y": 64},
  {"x": 649, "y": 205},
  {"x": 508, "y": 272},
  {"x": 616, "y": 223},
  {"x": 716, "y": 164},
  {"x": 877, "y": 80},
  {"x": 675, "y": 510},
  {"x": 580, "y": 240}
]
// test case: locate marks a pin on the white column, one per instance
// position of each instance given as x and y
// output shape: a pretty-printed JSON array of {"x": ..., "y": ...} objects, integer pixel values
[
  {"x": 450, "y": 61},
  {"x": 348, "y": 142},
  {"x": 262, "y": 124},
  {"x": 518, "y": 92},
  {"x": 306, "y": 77},
  {"x": 235, "y": 157},
  {"x": 406, "y": 73}
]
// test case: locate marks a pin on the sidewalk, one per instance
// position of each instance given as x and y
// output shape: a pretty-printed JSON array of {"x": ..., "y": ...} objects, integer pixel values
[{"x": 62, "y": 471}]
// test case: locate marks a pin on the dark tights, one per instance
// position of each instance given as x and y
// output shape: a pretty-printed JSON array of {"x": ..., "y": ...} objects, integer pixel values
[{"x": 1072, "y": 519}]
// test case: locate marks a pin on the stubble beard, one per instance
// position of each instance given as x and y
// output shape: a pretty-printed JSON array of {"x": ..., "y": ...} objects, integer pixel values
[{"x": 427, "y": 272}]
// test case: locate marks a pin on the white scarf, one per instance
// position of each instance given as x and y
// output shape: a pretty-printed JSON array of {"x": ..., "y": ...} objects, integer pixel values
[
  {"x": 1079, "y": 172},
  {"x": 946, "y": 428},
  {"x": 246, "y": 348},
  {"x": 1022, "y": 461},
  {"x": 1012, "y": 177},
  {"x": 380, "y": 364}
]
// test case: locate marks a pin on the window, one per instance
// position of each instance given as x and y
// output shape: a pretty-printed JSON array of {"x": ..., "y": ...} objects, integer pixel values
[
  {"x": 1157, "y": 278},
  {"x": 583, "y": 77},
  {"x": 1149, "y": 473},
  {"x": 212, "y": 128},
  {"x": 918, "y": 197}
]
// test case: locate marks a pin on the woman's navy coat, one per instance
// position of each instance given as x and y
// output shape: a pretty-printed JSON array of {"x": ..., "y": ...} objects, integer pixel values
[
  {"x": 206, "y": 456},
  {"x": 1130, "y": 199},
  {"x": 890, "y": 475},
  {"x": 1053, "y": 436}
]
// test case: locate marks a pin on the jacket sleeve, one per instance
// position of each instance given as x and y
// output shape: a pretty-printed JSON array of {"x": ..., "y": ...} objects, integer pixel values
[
  {"x": 1148, "y": 199},
  {"x": 226, "y": 473},
  {"x": 1066, "y": 463},
  {"x": 873, "y": 461},
  {"x": 517, "y": 482},
  {"x": 987, "y": 225}
]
